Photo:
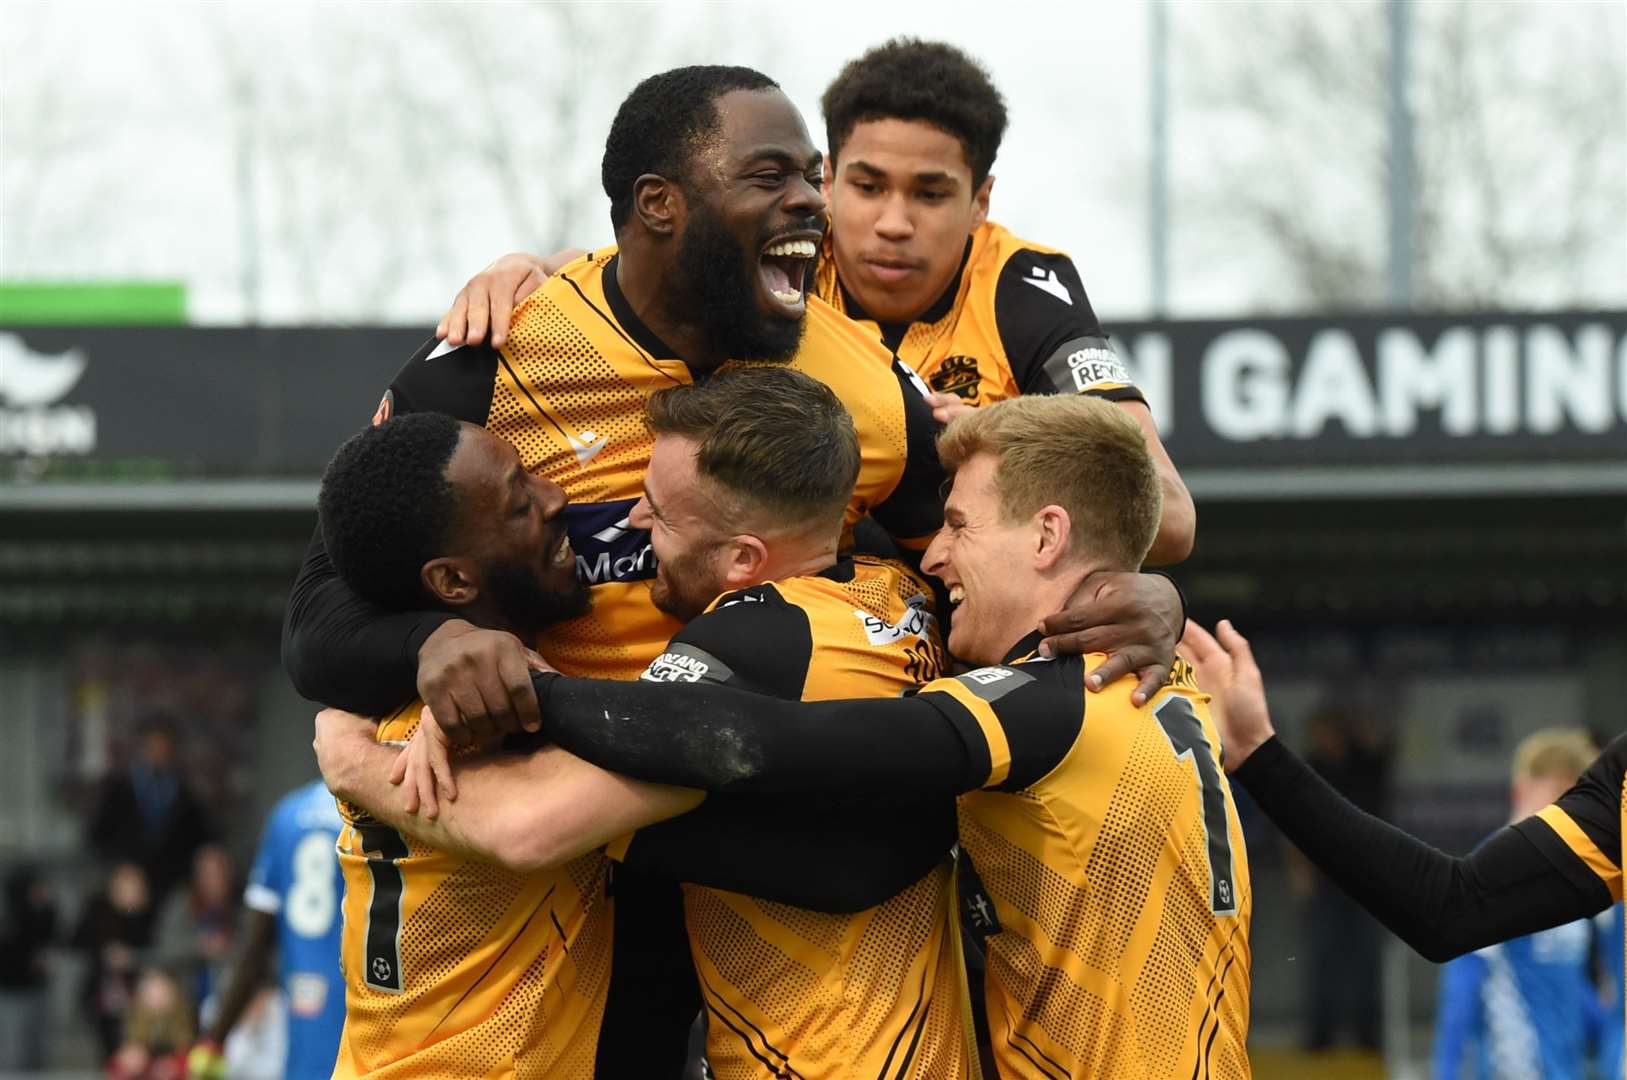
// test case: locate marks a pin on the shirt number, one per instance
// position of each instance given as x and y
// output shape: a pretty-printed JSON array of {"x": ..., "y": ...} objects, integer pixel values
[
  {"x": 381, "y": 959},
  {"x": 1186, "y": 738},
  {"x": 312, "y": 898}
]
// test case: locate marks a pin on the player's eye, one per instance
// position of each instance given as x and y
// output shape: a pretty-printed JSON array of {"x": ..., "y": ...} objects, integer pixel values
[
  {"x": 867, "y": 187},
  {"x": 769, "y": 177},
  {"x": 524, "y": 508},
  {"x": 934, "y": 196}
]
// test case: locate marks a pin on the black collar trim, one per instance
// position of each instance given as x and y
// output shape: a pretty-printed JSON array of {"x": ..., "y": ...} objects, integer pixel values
[
  {"x": 1025, "y": 648},
  {"x": 641, "y": 334}
]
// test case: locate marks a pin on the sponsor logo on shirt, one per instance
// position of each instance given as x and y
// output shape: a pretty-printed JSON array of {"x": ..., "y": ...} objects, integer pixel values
[
  {"x": 1086, "y": 363},
  {"x": 607, "y": 546},
  {"x": 1046, "y": 281},
  {"x": 993, "y": 683},
  {"x": 915, "y": 624},
  {"x": 687, "y": 663}
]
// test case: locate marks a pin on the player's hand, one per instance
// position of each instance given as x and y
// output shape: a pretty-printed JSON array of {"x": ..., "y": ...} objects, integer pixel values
[
  {"x": 477, "y": 683},
  {"x": 206, "y": 1061},
  {"x": 1226, "y": 671},
  {"x": 425, "y": 766},
  {"x": 1134, "y": 618},
  {"x": 339, "y": 735},
  {"x": 946, "y": 407},
  {"x": 490, "y": 297}
]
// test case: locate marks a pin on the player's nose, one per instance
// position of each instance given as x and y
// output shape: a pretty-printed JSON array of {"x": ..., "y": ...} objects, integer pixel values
[{"x": 551, "y": 497}]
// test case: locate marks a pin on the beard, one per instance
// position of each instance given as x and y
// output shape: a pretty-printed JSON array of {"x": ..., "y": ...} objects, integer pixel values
[
  {"x": 528, "y": 603},
  {"x": 685, "y": 586},
  {"x": 719, "y": 292}
]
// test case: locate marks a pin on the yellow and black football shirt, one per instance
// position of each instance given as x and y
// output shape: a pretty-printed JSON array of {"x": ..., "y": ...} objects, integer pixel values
[
  {"x": 1116, "y": 870},
  {"x": 456, "y": 968},
  {"x": 569, "y": 389},
  {"x": 823, "y": 931},
  {"x": 1117, "y": 902},
  {"x": 1015, "y": 320}
]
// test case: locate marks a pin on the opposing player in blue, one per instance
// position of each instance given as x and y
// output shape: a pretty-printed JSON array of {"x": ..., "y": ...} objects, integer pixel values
[
  {"x": 1525, "y": 1009},
  {"x": 293, "y": 898}
]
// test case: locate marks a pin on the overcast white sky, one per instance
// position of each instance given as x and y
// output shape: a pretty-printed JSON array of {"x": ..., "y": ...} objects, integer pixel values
[{"x": 119, "y": 144}]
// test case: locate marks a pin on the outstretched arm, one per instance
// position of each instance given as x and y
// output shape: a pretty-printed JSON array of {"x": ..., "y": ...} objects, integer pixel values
[
  {"x": 1516, "y": 883},
  {"x": 525, "y": 812}
]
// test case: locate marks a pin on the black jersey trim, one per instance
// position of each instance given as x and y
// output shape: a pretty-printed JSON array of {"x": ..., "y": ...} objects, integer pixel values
[
  {"x": 1025, "y": 648},
  {"x": 841, "y": 571},
  {"x": 635, "y": 325},
  {"x": 784, "y": 1069},
  {"x": 1012, "y": 1035},
  {"x": 535, "y": 404},
  {"x": 916, "y": 1010}
]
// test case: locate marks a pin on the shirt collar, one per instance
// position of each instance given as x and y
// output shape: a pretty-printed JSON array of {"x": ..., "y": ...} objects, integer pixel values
[{"x": 623, "y": 311}]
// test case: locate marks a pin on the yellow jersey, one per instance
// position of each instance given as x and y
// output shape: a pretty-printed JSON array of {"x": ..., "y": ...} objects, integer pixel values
[
  {"x": 1114, "y": 865},
  {"x": 791, "y": 991},
  {"x": 456, "y": 968},
  {"x": 1015, "y": 320}
]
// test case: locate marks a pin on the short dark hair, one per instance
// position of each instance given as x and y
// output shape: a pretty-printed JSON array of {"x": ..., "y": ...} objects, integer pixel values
[
  {"x": 772, "y": 437},
  {"x": 663, "y": 120},
  {"x": 386, "y": 507},
  {"x": 910, "y": 79}
]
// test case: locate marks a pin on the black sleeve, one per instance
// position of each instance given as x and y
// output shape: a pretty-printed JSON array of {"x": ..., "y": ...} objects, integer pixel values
[
  {"x": 1443, "y": 906},
  {"x": 719, "y": 738},
  {"x": 824, "y": 854},
  {"x": 1594, "y": 802},
  {"x": 913, "y": 511},
  {"x": 336, "y": 647},
  {"x": 1052, "y": 339},
  {"x": 819, "y": 853},
  {"x": 753, "y": 639}
]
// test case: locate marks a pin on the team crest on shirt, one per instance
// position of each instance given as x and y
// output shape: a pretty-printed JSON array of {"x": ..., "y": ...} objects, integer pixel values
[{"x": 958, "y": 375}]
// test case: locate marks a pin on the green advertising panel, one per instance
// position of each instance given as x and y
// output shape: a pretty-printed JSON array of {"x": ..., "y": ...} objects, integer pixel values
[{"x": 42, "y": 303}]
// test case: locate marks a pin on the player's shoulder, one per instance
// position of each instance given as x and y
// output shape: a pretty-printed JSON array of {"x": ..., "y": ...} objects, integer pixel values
[
  {"x": 831, "y": 339},
  {"x": 753, "y": 637},
  {"x": 994, "y": 246}
]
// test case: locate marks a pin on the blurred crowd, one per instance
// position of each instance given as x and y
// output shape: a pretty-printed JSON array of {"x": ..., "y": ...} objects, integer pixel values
[{"x": 155, "y": 932}]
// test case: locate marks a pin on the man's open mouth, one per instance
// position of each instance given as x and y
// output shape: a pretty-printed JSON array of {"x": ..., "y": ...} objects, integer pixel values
[
  {"x": 561, "y": 553},
  {"x": 784, "y": 268}
]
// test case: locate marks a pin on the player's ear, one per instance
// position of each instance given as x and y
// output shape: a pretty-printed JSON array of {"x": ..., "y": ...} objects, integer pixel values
[
  {"x": 980, "y": 202},
  {"x": 658, "y": 202},
  {"x": 1052, "y": 528},
  {"x": 451, "y": 580},
  {"x": 747, "y": 561}
]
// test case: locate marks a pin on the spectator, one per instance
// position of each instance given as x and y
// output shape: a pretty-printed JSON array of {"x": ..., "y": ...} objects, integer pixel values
[
  {"x": 27, "y": 928},
  {"x": 157, "y": 1032},
  {"x": 114, "y": 932},
  {"x": 195, "y": 925},
  {"x": 145, "y": 813},
  {"x": 1525, "y": 1009},
  {"x": 1342, "y": 976}
]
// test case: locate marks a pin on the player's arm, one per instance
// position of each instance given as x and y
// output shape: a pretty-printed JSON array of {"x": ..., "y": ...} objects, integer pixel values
[
  {"x": 490, "y": 297},
  {"x": 1558, "y": 866},
  {"x": 347, "y": 652},
  {"x": 719, "y": 738},
  {"x": 1056, "y": 345},
  {"x": 523, "y": 811},
  {"x": 828, "y": 854}
]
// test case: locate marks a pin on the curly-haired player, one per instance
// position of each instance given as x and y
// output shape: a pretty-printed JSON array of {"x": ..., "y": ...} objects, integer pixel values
[{"x": 913, "y": 129}]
